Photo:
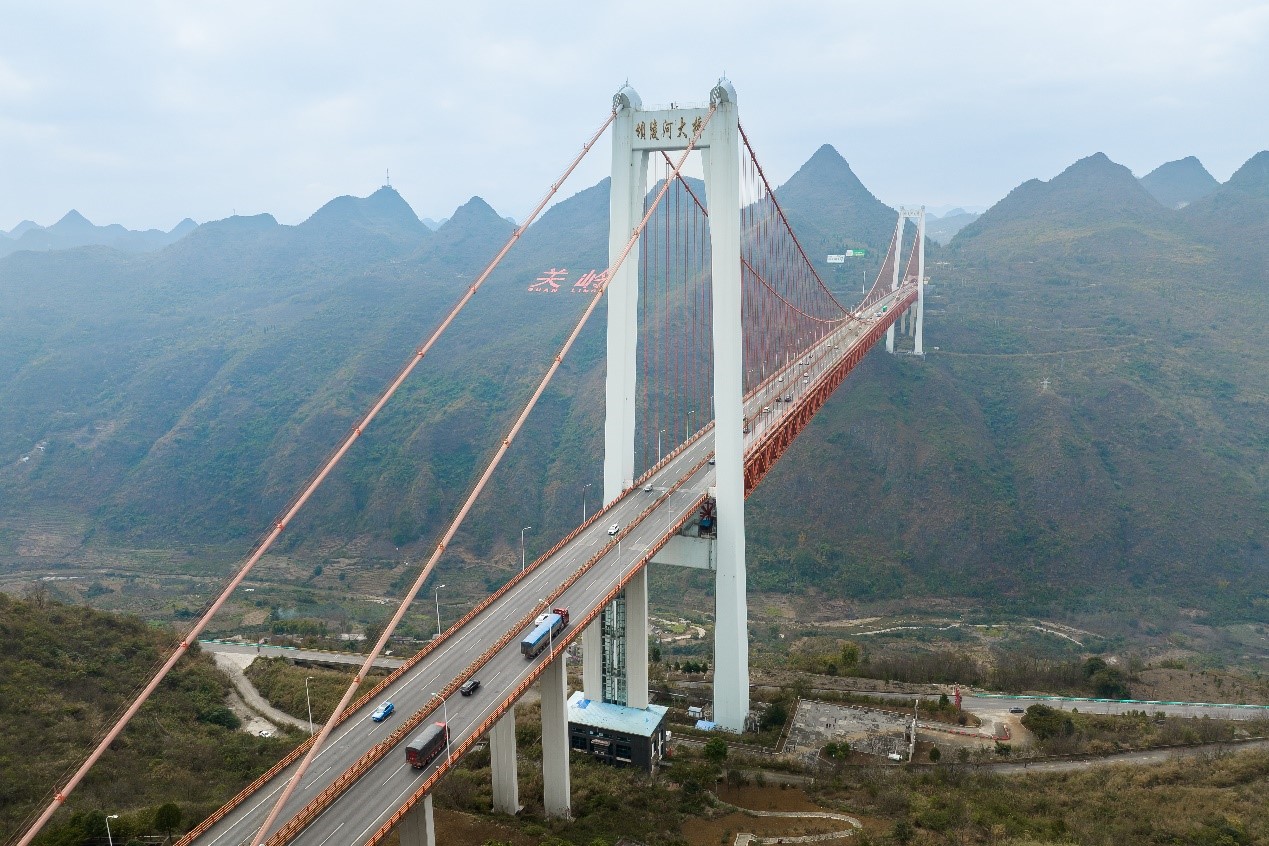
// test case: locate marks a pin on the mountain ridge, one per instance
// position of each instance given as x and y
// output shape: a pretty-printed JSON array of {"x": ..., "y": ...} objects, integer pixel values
[{"x": 1179, "y": 183}]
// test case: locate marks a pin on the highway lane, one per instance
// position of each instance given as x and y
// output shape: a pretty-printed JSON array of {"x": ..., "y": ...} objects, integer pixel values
[
  {"x": 414, "y": 690},
  {"x": 363, "y": 807},
  {"x": 369, "y": 803}
]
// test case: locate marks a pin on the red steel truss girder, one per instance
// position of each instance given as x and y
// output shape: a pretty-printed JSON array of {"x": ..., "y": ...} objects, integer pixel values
[{"x": 766, "y": 453}]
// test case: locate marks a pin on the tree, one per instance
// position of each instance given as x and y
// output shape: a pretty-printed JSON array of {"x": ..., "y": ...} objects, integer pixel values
[
  {"x": 944, "y": 701},
  {"x": 777, "y": 714},
  {"x": 168, "y": 818},
  {"x": 1045, "y": 722},
  {"x": 716, "y": 750},
  {"x": 837, "y": 751},
  {"x": 935, "y": 754}
]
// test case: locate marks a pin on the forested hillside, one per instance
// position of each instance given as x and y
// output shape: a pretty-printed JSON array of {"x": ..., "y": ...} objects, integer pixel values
[
  {"x": 65, "y": 672},
  {"x": 1088, "y": 431}
]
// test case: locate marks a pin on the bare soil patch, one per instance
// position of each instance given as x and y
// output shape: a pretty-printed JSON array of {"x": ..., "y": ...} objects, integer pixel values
[{"x": 722, "y": 829}]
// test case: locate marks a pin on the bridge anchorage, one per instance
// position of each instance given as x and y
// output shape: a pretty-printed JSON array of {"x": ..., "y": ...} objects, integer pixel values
[{"x": 720, "y": 331}]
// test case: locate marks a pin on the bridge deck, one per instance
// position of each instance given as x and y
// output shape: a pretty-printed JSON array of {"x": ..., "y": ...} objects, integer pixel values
[{"x": 369, "y": 791}]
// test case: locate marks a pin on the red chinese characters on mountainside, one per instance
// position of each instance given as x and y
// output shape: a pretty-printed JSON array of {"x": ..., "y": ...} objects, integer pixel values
[{"x": 551, "y": 280}]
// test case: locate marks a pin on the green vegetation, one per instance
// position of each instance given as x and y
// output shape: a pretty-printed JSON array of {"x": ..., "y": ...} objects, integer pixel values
[
  {"x": 1084, "y": 441},
  {"x": 282, "y": 684},
  {"x": 1066, "y": 733},
  {"x": 1215, "y": 800},
  {"x": 65, "y": 672}
]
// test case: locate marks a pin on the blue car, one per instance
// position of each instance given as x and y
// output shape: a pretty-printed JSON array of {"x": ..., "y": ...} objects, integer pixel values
[{"x": 383, "y": 712}]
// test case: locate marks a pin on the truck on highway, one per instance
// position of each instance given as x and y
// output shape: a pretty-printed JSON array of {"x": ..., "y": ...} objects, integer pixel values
[
  {"x": 545, "y": 627},
  {"x": 426, "y": 745}
]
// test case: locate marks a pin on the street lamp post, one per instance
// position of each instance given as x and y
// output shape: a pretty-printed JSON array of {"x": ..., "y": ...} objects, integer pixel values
[
  {"x": 659, "y": 434},
  {"x": 110, "y": 840},
  {"x": 445, "y": 711},
  {"x": 687, "y": 422},
  {"x": 438, "y": 608},
  {"x": 584, "y": 489},
  {"x": 308, "y": 701},
  {"x": 522, "y": 531}
]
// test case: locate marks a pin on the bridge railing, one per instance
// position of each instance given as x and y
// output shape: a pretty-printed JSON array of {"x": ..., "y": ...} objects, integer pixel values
[
  {"x": 350, "y": 776},
  {"x": 413, "y": 661},
  {"x": 776, "y": 439},
  {"x": 497, "y": 714}
]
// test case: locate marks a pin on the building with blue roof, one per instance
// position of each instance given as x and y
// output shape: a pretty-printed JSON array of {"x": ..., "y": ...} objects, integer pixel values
[{"x": 617, "y": 734}]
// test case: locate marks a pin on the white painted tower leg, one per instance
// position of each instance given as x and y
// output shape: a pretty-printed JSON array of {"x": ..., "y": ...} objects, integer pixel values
[
  {"x": 731, "y": 631},
  {"x": 918, "y": 347},
  {"x": 625, "y": 209},
  {"x": 894, "y": 279},
  {"x": 637, "y": 640}
]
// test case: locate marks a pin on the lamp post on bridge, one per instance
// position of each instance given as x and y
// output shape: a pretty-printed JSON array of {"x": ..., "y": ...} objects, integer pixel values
[
  {"x": 584, "y": 488},
  {"x": 522, "y": 531},
  {"x": 687, "y": 423},
  {"x": 659, "y": 434},
  {"x": 110, "y": 840},
  {"x": 445, "y": 712},
  {"x": 438, "y": 609},
  {"x": 308, "y": 700}
]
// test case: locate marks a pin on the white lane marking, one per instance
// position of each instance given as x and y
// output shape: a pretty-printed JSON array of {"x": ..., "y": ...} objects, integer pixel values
[
  {"x": 254, "y": 808},
  {"x": 394, "y": 772},
  {"x": 464, "y": 636},
  {"x": 314, "y": 779},
  {"x": 396, "y": 803},
  {"x": 332, "y": 834}
]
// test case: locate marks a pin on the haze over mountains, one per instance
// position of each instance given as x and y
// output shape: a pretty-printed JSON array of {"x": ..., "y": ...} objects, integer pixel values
[
  {"x": 1088, "y": 433},
  {"x": 74, "y": 230}
]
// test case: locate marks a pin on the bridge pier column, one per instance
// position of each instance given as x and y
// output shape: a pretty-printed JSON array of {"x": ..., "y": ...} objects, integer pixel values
[
  {"x": 506, "y": 774},
  {"x": 556, "y": 788},
  {"x": 417, "y": 827}
]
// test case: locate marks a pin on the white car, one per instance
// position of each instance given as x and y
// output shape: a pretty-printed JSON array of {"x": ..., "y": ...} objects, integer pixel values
[{"x": 614, "y": 529}]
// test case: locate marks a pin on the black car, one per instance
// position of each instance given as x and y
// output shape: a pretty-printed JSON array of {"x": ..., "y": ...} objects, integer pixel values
[{"x": 469, "y": 687}]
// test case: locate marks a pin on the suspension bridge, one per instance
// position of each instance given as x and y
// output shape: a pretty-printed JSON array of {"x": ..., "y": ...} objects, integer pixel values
[{"x": 720, "y": 332}]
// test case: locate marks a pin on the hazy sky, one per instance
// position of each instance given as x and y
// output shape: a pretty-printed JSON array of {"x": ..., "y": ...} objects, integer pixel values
[{"x": 145, "y": 113}]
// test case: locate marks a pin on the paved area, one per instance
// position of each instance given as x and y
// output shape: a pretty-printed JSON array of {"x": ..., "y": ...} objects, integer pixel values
[
  {"x": 312, "y": 656},
  {"x": 865, "y": 729},
  {"x": 233, "y": 663}
]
